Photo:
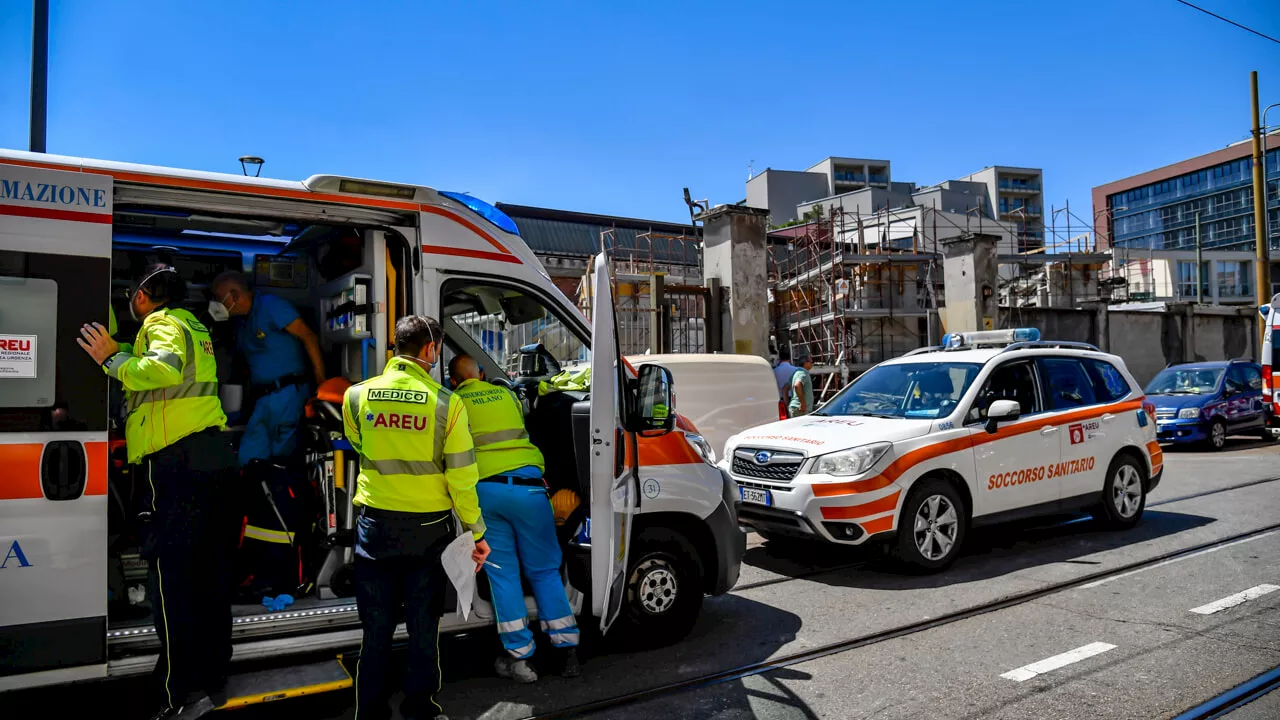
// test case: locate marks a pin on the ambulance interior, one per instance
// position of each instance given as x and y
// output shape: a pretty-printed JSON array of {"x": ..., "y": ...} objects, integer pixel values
[{"x": 349, "y": 281}]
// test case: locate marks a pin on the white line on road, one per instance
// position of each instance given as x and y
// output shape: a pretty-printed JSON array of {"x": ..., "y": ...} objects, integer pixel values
[
  {"x": 1106, "y": 580},
  {"x": 1239, "y": 598},
  {"x": 1026, "y": 672}
]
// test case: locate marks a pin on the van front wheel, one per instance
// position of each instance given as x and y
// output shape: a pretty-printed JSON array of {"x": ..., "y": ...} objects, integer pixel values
[{"x": 663, "y": 592}]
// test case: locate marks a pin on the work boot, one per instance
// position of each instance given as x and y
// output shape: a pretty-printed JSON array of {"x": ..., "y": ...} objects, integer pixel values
[
  {"x": 519, "y": 670},
  {"x": 188, "y": 711},
  {"x": 571, "y": 668}
]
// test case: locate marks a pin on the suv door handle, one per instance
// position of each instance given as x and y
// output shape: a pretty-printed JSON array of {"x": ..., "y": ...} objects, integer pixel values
[
  {"x": 1108, "y": 417},
  {"x": 1049, "y": 430}
]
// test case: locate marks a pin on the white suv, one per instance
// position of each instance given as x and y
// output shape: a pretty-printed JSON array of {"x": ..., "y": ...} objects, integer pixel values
[{"x": 991, "y": 426}]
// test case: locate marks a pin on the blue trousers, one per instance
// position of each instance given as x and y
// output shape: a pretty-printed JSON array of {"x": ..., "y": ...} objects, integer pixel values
[
  {"x": 521, "y": 530},
  {"x": 272, "y": 430},
  {"x": 399, "y": 576}
]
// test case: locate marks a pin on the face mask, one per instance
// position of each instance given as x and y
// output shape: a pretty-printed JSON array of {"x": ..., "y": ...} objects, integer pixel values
[{"x": 218, "y": 311}]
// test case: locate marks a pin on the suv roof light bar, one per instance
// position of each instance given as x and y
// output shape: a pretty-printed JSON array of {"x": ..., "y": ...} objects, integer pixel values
[{"x": 988, "y": 338}]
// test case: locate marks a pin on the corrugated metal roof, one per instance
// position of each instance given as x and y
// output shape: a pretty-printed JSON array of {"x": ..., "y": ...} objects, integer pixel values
[{"x": 577, "y": 238}]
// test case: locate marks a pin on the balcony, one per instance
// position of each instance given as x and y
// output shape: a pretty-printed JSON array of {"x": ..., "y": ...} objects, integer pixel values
[{"x": 1027, "y": 187}]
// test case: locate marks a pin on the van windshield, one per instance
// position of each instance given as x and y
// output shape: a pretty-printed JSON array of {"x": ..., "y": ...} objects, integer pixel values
[
  {"x": 911, "y": 390},
  {"x": 1185, "y": 381}
]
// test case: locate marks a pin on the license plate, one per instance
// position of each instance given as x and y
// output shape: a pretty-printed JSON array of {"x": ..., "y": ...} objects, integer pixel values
[{"x": 755, "y": 495}]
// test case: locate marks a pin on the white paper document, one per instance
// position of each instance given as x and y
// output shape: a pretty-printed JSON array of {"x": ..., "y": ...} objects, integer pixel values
[{"x": 461, "y": 570}]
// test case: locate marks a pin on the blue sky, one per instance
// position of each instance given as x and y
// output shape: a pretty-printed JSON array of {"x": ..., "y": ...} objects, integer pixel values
[{"x": 613, "y": 108}]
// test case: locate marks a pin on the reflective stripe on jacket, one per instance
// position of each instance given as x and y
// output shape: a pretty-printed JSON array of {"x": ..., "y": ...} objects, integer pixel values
[
  {"x": 170, "y": 380},
  {"x": 416, "y": 453},
  {"x": 497, "y": 426}
]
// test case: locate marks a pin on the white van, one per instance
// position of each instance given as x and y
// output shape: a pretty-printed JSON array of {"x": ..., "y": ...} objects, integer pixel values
[
  {"x": 354, "y": 256},
  {"x": 721, "y": 394}
]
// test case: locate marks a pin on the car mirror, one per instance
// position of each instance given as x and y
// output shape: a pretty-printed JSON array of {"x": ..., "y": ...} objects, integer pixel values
[
  {"x": 654, "y": 413},
  {"x": 1002, "y": 411}
]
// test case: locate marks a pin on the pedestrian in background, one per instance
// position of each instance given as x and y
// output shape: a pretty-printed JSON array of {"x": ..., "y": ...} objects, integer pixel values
[
  {"x": 801, "y": 385},
  {"x": 782, "y": 373}
]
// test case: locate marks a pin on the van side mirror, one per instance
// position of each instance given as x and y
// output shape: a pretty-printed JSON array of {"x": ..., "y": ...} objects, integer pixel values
[
  {"x": 654, "y": 413},
  {"x": 1002, "y": 411}
]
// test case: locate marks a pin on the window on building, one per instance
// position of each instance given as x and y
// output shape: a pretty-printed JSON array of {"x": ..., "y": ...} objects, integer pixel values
[
  {"x": 1234, "y": 279},
  {"x": 1187, "y": 280}
]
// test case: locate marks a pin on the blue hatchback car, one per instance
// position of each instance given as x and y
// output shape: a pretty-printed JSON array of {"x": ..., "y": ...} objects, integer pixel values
[{"x": 1205, "y": 402}]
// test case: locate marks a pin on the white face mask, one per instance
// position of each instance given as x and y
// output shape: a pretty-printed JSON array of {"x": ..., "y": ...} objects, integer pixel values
[{"x": 218, "y": 311}]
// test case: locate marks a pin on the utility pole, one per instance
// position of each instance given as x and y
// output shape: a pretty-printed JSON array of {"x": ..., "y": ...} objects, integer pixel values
[
  {"x": 1259, "y": 204},
  {"x": 1199, "y": 264},
  {"x": 39, "y": 73}
]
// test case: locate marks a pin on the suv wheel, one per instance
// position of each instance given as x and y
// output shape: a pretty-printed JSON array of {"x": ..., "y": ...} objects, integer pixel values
[
  {"x": 1124, "y": 495},
  {"x": 932, "y": 526}
]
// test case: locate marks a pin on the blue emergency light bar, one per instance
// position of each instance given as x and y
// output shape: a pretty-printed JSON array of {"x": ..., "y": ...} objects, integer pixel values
[{"x": 989, "y": 338}]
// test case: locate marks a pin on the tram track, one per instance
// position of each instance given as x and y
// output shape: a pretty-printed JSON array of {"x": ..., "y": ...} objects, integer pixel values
[{"x": 861, "y": 641}]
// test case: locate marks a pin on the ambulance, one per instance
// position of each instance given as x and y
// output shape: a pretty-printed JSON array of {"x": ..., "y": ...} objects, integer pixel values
[
  {"x": 991, "y": 426},
  {"x": 652, "y": 530}
]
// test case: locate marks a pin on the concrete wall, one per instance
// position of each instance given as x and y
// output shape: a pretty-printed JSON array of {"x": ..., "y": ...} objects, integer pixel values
[
  {"x": 780, "y": 191},
  {"x": 1148, "y": 341}
]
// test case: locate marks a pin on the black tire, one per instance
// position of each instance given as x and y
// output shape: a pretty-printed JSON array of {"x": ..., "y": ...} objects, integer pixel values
[
  {"x": 926, "y": 550},
  {"x": 1266, "y": 435},
  {"x": 1114, "y": 511},
  {"x": 1217, "y": 435},
  {"x": 663, "y": 593}
]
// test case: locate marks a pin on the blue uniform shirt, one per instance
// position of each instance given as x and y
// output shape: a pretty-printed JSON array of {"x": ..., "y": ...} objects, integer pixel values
[{"x": 272, "y": 352}]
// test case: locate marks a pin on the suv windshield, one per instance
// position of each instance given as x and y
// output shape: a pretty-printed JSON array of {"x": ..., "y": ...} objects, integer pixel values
[
  {"x": 1188, "y": 381},
  {"x": 912, "y": 390}
]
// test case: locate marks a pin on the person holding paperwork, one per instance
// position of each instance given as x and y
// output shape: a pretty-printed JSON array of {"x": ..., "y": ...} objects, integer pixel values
[{"x": 417, "y": 467}]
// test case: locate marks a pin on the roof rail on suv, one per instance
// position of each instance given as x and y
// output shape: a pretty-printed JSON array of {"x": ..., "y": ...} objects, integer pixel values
[
  {"x": 917, "y": 351},
  {"x": 1050, "y": 344}
]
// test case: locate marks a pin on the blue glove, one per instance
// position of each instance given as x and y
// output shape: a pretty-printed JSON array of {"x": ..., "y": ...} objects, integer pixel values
[
  {"x": 282, "y": 602},
  {"x": 268, "y": 602}
]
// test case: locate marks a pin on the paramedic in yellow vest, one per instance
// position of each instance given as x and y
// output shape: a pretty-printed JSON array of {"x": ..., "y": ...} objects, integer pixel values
[
  {"x": 173, "y": 433},
  {"x": 417, "y": 468},
  {"x": 521, "y": 524}
]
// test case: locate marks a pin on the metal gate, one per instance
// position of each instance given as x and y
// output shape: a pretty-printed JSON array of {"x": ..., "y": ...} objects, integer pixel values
[{"x": 660, "y": 308}]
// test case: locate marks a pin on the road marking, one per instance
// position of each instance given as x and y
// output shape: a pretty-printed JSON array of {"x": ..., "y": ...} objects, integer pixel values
[
  {"x": 1026, "y": 672},
  {"x": 1106, "y": 580},
  {"x": 1239, "y": 598}
]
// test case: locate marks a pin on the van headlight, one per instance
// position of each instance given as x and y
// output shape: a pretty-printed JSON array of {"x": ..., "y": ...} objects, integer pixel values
[
  {"x": 850, "y": 462},
  {"x": 1189, "y": 413},
  {"x": 703, "y": 447}
]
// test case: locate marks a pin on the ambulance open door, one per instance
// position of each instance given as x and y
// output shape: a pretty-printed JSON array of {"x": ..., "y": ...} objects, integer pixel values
[
  {"x": 55, "y": 275},
  {"x": 614, "y": 496}
]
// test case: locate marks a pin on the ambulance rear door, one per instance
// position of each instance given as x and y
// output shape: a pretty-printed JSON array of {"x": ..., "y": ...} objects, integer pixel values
[
  {"x": 614, "y": 498},
  {"x": 55, "y": 275}
]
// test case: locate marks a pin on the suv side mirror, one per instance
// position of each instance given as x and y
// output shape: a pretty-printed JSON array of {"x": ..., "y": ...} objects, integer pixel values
[
  {"x": 654, "y": 407},
  {"x": 1002, "y": 411}
]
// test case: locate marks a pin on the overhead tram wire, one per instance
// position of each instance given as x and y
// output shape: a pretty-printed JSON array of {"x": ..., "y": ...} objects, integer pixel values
[{"x": 1232, "y": 22}]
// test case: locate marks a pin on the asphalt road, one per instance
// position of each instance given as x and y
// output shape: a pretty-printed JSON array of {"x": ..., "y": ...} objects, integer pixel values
[{"x": 1146, "y": 644}]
